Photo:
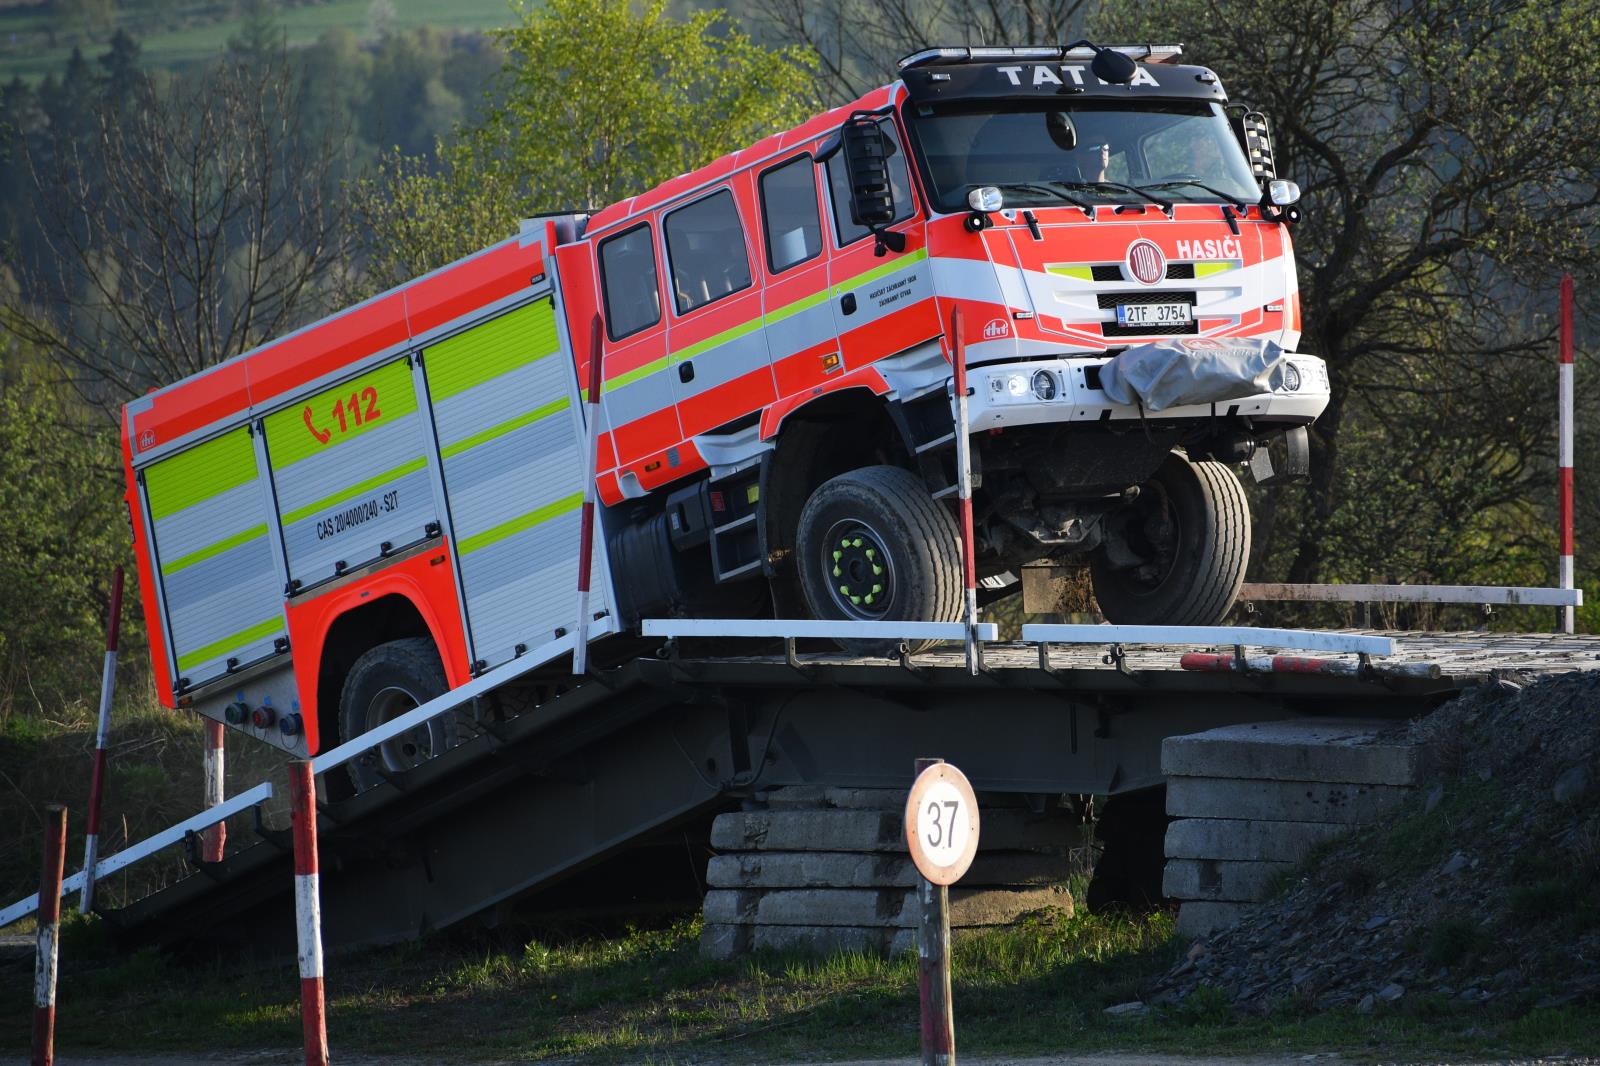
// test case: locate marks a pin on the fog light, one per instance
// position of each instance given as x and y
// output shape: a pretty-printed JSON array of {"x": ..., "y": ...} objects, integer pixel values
[
  {"x": 1044, "y": 385},
  {"x": 1017, "y": 385},
  {"x": 1291, "y": 377}
]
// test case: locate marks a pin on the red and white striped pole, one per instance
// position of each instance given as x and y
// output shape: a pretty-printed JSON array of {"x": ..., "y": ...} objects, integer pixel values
[
  {"x": 308, "y": 911},
  {"x": 969, "y": 563},
  {"x": 102, "y": 739},
  {"x": 1564, "y": 456},
  {"x": 49, "y": 918},
  {"x": 214, "y": 837},
  {"x": 580, "y": 647}
]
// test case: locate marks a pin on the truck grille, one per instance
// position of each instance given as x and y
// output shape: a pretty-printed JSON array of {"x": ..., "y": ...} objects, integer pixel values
[
  {"x": 1108, "y": 301},
  {"x": 1113, "y": 271}
]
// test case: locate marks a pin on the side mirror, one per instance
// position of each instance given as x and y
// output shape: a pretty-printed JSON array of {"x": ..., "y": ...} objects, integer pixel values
[{"x": 866, "y": 161}]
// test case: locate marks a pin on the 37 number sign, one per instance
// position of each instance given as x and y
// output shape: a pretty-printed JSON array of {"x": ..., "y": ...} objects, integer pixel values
[{"x": 942, "y": 823}]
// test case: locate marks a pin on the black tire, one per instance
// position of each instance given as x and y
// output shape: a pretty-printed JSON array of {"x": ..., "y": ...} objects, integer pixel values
[
  {"x": 1184, "y": 546},
  {"x": 386, "y": 682},
  {"x": 887, "y": 510}
]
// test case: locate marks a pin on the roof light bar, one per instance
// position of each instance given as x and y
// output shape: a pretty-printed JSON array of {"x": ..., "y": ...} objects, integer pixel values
[{"x": 1148, "y": 53}]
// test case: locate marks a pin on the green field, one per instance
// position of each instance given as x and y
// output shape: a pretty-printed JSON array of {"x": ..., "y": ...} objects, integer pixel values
[{"x": 20, "y": 27}]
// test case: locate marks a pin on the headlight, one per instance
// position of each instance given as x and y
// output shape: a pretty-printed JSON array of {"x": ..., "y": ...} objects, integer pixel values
[
  {"x": 1044, "y": 385},
  {"x": 1291, "y": 377},
  {"x": 985, "y": 198},
  {"x": 1017, "y": 385}
]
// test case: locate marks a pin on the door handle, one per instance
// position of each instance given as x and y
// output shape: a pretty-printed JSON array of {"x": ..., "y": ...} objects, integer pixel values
[
  {"x": 847, "y": 303},
  {"x": 686, "y": 371}
]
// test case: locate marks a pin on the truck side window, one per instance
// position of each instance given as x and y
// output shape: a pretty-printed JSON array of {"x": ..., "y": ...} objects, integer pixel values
[
  {"x": 628, "y": 280},
  {"x": 705, "y": 245},
  {"x": 839, "y": 188},
  {"x": 789, "y": 214}
]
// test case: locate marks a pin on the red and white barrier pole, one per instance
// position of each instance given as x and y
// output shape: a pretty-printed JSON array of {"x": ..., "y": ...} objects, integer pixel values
[
  {"x": 308, "y": 911},
  {"x": 214, "y": 837},
  {"x": 580, "y": 647},
  {"x": 49, "y": 918},
  {"x": 1564, "y": 456},
  {"x": 969, "y": 563},
  {"x": 102, "y": 739}
]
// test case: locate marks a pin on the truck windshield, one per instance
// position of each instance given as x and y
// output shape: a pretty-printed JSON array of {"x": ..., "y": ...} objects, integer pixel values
[{"x": 1055, "y": 153}]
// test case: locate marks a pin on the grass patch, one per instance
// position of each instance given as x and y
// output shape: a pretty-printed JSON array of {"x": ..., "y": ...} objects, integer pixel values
[
  {"x": 1422, "y": 838},
  {"x": 645, "y": 994}
]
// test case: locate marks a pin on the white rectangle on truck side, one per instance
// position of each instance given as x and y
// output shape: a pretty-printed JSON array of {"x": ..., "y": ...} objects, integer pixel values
[
  {"x": 350, "y": 474},
  {"x": 510, "y": 436},
  {"x": 220, "y": 586}
]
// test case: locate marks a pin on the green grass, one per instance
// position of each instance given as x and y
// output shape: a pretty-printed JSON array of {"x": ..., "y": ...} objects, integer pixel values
[
  {"x": 302, "y": 25},
  {"x": 647, "y": 995}
]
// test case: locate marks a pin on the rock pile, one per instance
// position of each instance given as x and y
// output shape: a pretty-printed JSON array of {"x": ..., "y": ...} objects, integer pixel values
[{"x": 1481, "y": 888}]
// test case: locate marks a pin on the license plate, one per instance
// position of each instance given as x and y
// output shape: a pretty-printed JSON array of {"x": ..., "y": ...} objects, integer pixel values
[{"x": 1154, "y": 314}]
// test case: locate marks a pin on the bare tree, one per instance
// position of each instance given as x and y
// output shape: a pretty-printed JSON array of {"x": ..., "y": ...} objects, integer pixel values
[
  {"x": 186, "y": 226},
  {"x": 858, "y": 43}
]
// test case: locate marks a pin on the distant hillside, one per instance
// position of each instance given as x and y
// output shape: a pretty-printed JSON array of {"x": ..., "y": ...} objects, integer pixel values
[{"x": 36, "y": 38}]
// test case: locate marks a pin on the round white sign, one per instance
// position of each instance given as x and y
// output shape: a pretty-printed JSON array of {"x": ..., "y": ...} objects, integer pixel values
[{"x": 942, "y": 823}]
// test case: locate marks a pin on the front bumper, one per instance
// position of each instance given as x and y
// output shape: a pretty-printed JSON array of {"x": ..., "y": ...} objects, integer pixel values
[{"x": 1003, "y": 395}]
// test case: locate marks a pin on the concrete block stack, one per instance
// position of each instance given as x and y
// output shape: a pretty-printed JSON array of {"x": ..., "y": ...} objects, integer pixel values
[
  {"x": 825, "y": 869},
  {"x": 1252, "y": 802}
]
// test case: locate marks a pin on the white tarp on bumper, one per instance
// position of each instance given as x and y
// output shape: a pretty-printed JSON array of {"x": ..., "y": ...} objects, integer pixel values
[{"x": 1193, "y": 370}]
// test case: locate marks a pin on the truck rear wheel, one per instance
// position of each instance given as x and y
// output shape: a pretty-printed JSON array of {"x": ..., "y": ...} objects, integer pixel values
[
  {"x": 1177, "y": 554},
  {"x": 874, "y": 545},
  {"x": 385, "y": 683}
]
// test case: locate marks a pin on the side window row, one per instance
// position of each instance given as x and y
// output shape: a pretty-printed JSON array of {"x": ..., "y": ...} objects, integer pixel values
[{"x": 706, "y": 247}]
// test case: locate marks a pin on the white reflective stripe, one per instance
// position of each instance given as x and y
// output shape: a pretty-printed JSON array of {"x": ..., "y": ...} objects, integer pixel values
[
  {"x": 108, "y": 684},
  {"x": 1567, "y": 580},
  {"x": 1564, "y": 454},
  {"x": 148, "y": 846},
  {"x": 44, "y": 968},
  {"x": 212, "y": 764},
  {"x": 1499, "y": 595},
  {"x": 797, "y": 627},
  {"x": 1300, "y": 639},
  {"x": 439, "y": 704},
  {"x": 308, "y": 917}
]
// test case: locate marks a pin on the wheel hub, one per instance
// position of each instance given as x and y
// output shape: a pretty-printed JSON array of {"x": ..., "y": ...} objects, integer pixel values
[{"x": 860, "y": 571}]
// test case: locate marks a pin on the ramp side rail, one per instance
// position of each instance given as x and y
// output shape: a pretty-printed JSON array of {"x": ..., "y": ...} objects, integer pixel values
[{"x": 1481, "y": 595}]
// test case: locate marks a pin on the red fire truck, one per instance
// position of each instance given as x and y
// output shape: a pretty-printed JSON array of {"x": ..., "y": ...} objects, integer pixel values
[{"x": 357, "y": 516}]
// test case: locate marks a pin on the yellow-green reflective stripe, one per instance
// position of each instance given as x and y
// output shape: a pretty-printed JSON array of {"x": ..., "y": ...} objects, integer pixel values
[
  {"x": 755, "y": 323},
  {"x": 217, "y": 649},
  {"x": 1221, "y": 266},
  {"x": 354, "y": 490},
  {"x": 638, "y": 372},
  {"x": 1082, "y": 273},
  {"x": 795, "y": 308},
  {"x": 716, "y": 340},
  {"x": 494, "y": 348},
  {"x": 196, "y": 475},
  {"x": 518, "y": 525},
  {"x": 218, "y": 548},
  {"x": 505, "y": 427},
  {"x": 882, "y": 271},
  {"x": 393, "y": 396}
]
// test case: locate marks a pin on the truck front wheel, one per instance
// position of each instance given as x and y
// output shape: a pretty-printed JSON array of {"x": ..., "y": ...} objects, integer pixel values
[
  {"x": 874, "y": 545},
  {"x": 1177, "y": 554},
  {"x": 385, "y": 683}
]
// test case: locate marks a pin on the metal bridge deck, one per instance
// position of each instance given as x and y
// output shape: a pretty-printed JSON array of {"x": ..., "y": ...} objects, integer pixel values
[{"x": 584, "y": 772}]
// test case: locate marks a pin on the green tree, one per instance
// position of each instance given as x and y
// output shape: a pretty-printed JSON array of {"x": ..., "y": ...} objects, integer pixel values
[{"x": 599, "y": 99}]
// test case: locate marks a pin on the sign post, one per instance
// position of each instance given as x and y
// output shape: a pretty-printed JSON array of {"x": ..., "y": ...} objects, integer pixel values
[{"x": 941, "y": 824}]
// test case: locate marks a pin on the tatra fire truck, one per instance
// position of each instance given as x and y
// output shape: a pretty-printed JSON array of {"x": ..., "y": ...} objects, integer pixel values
[{"x": 356, "y": 517}]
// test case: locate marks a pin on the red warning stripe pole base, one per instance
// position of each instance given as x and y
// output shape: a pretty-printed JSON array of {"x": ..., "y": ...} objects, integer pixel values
[
  {"x": 44, "y": 966},
  {"x": 308, "y": 911}
]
